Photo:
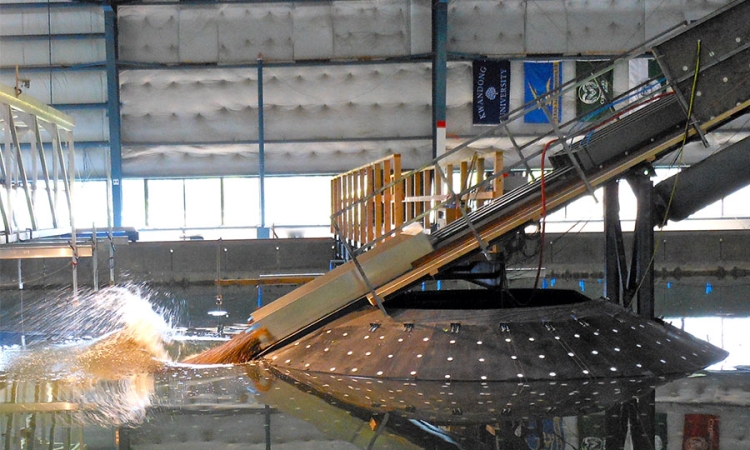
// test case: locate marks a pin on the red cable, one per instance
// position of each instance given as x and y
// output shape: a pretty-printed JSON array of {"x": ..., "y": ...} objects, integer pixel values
[
  {"x": 544, "y": 193},
  {"x": 544, "y": 214}
]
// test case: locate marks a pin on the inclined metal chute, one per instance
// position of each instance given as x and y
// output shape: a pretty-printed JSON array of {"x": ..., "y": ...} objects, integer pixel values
[{"x": 703, "y": 183}]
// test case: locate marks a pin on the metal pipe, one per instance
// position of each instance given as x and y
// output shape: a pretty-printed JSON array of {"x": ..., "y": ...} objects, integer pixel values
[
  {"x": 113, "y": 109},
  {"x": 262, "y": 231}
]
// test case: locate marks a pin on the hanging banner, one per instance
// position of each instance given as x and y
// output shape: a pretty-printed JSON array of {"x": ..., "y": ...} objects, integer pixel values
[
  {"x": 545, "y": 434},
  {"x": 491, "y": 91},
  {"x": 540, "y": 78},
  {"x": 593, "y": 98},
  {"x": 701, "y": 432},
  {"x": 639, "y": 71}
]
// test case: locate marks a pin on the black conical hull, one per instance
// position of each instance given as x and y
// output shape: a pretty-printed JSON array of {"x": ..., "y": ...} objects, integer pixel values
[
  {"x": 577, "y": 338},
  {"x": 474, "y": 359}
]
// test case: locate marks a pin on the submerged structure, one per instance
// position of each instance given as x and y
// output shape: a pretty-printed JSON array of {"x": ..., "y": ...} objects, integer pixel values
[{"x": 441, "y": 355}]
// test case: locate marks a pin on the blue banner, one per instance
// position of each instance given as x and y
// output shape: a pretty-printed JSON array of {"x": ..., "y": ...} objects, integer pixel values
[
  {"x": 491, "y": 91},
  {"x": 540, "y": 78}
]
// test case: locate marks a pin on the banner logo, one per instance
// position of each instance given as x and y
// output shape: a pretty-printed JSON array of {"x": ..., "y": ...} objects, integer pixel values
[{"x": 491, "y": 91}]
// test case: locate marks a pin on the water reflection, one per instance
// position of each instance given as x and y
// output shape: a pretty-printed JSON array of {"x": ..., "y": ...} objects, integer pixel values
[
  {"x": 121, "y": 391},
  {"x": 255, "y": 405}
]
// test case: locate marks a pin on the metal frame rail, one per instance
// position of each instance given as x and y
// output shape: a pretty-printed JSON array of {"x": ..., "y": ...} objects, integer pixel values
[{"x": 37, "y": 159}]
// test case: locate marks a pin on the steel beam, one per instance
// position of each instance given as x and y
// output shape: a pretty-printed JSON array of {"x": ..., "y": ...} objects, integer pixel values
[
  {"x": 439, "y": 74},
  {"x": 612, "y": 234},
  {"x": 642, "y": 281},
  {"x": 27, "y": 104},
  {"x": 262, "y": 232},
  {"x": 113, "y": 110}
]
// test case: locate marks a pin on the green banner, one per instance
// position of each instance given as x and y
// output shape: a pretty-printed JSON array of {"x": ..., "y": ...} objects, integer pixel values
[{"x": 593, "y": 98}]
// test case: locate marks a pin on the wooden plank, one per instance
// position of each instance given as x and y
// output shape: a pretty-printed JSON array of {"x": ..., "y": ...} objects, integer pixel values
[
  {"x": 479, "y": 178},
  {"x": 269, "y": 280},
  {"x": 426, "y": 192},
  {"x": 379, "y": 207},
  {"x": 449, "y": 177},
  {"x": 349, "y": 206},
  {"x": 408, "y": 191},
  {"x": 388, "y": 196},
  {"x": 425, "y": 198},
  {"x": 418, "y": 191},
  {"x": 398, "y": 192},
  {"x": 359, "y": 231},
  {"x": 464, "y": 167},
  {"x": 342, "y": 203},
  {"x": 499, "y": 181},
  {"x": 334, "y": 201},
  {"x": 370, "y": 205}
]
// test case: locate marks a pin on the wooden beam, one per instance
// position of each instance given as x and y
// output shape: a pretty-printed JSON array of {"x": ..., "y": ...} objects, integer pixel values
[{"x": 269, "y": 280}]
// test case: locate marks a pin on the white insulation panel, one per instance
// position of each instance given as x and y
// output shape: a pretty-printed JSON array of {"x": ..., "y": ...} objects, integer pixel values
[
  {"x": 321, "y": 117},
  {"x": 63, "y": 86},
  {"x": 661, "y": 15},
  {"x": 40, "y": 21},
  {"x": 277, "y": 31},
  {"x": 487, "y": 27},
  {"x": 300, "y": 103},
  {"x": 197, "y": 111},
  {"x": 55, "y": 52},
  {"x": 387, "y": 28},
  {"x": 280, "y": 158}
]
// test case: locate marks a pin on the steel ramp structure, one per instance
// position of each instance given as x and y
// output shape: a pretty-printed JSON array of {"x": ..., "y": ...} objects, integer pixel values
[
  {"x": 713, "y": 52},
  {"x": 707, "y": 69}
]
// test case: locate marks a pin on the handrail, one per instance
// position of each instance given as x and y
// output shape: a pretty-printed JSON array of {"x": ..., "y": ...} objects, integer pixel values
[{"x": 427, "y": 214}]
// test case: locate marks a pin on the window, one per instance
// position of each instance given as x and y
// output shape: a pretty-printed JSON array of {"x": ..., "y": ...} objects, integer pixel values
[
  {"x": 90, "y": 202},
  {"x": 165, "y": 204},
  {"x": 298, "y": 201},
  {"x": 241, "y": 202},
  {"x": 203, "y": 202},
  {"x": 133, "y": 203}
]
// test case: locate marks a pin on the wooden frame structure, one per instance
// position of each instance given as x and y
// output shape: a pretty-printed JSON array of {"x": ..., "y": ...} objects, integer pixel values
[{"x": 371, "y": 202}]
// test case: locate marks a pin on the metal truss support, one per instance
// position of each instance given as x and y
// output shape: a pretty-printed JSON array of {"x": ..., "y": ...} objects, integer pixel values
[
  {"x": 614, "y": 257},
  {"x": 623, "y": 284},
  {"x": 439, "y": 74},
  {"x": 638, "y": 416}
]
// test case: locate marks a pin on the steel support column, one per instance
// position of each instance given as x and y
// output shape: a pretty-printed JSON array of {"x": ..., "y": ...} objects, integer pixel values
[
  {"x": 263, "y": 232},
  {"x": 612, "y": 235},
  {"x": 643, "y": 251},
  {"x": 439, "y": 74},
  {"x": 113, "y": 111}
]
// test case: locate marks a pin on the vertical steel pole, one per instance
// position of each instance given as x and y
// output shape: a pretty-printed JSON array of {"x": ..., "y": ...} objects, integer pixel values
[
  {"x": 267, "y": 426},
  {"x": 439, "y": 74},
  {"x": 95, "y": 259},
  {"x": 644, "y": 230},
  {"x": 263, "y": 232},
  {"x": 113, "y": 111},
  {"x": 71, "y": 196},
  {"x": 612, "y": 279}
]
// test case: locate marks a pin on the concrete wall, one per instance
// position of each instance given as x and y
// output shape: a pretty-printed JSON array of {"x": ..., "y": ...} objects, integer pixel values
[
  {"x": 177, "y": 276},
  {"x": 697, "y": 273}
]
